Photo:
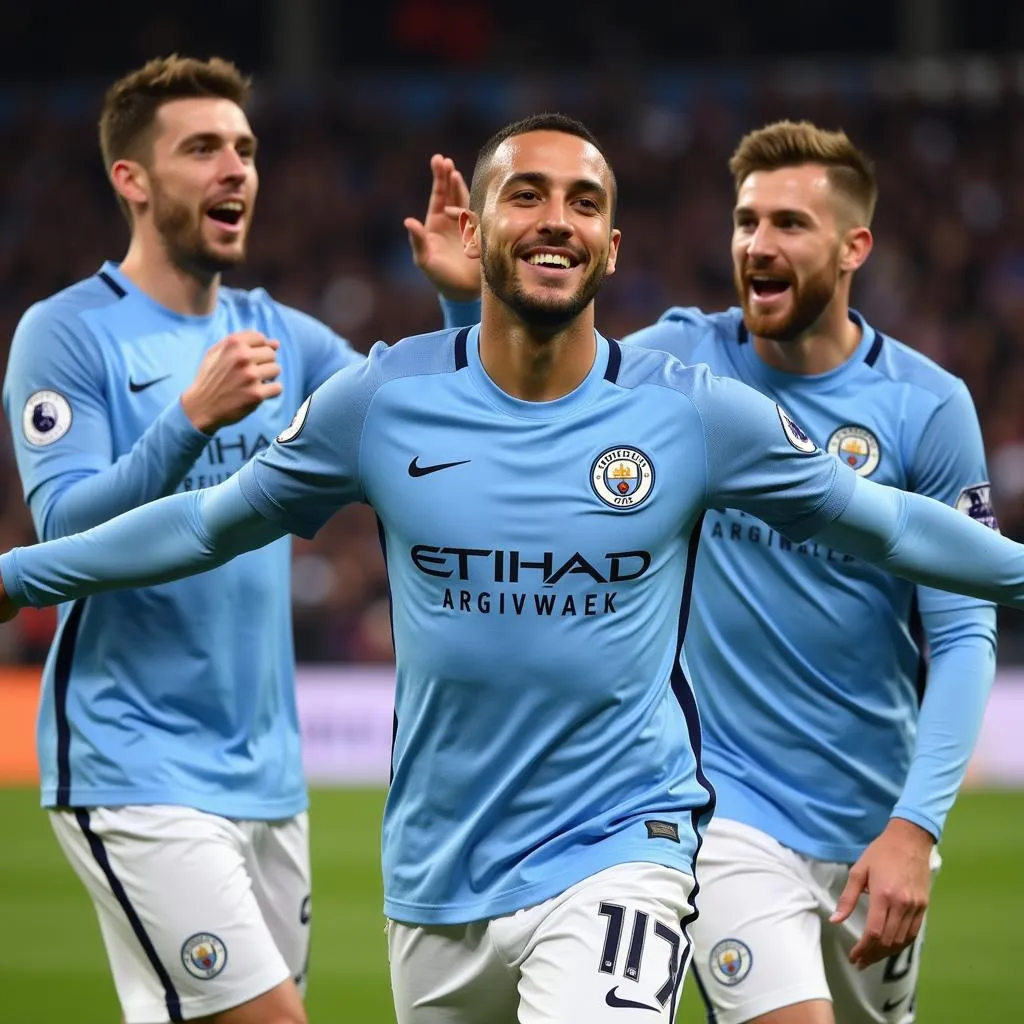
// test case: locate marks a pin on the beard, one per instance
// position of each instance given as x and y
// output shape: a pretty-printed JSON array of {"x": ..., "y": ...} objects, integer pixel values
[
  {"x": 810, "y": 298},
  {"x": 181, "y": 228},
  {"x": 544, "y": 313}
]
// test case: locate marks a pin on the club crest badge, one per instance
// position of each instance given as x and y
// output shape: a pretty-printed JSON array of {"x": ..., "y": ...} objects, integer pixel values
[
  {"x": 730, "y": 961},
  {"x": 857, "y": 448},
  {"x": 795, "y": 434},
  {"x": 203, "y": 955},
  {"x": 46, "y": 418},
  {"x": 622, "y": 477}
]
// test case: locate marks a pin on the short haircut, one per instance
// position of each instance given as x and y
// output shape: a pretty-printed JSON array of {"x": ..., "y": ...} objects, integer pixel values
[
  {"x": 131, "y": 104},
  {"x": 535, "y": 123},
  {"x": 793, "y": 144}
]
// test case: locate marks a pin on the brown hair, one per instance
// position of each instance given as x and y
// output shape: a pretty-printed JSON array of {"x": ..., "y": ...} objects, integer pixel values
[
  {"x": 792, "y": 144},
  {"x": 130, "y": 105}
]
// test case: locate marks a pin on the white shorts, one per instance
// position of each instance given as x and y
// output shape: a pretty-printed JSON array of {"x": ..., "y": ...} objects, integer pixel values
[
  {"x": 763, "y": 939},
  {"x": 198, "y": 913},
  {"x": 611, "y": 950}
]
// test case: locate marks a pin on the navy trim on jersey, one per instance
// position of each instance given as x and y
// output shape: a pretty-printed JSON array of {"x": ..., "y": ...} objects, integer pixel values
[
  {"x": 61, "y": 683},
  {"x": 461, "y": 359},
  {"x": 99, "y": 852},
  {"x": 684, "y": 695},
  {"x": 391, "y": 621},
  {"x": 916, "y": 629},
  {"x": 709, "y": 1008},
  {"x": 111, "y": 284},
  {"x": 876, "y": 349},
  {"x": 614, "y": 361}
]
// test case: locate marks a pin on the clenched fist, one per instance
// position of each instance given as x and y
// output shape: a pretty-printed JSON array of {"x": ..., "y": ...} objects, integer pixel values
[{"x": 235, "y": 376}]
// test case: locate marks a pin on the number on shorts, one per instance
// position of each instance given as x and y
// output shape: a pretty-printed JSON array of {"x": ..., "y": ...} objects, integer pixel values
[
  {"x": 613, "y": 940},
  {"x": 894, "y": 969}
]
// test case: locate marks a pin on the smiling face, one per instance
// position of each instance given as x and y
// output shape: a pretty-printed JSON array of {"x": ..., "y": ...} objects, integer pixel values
[
  {"x": 545, "y": 237},
  {"x": 789, "y": 248},
  {"x": 200, "y": 182}
]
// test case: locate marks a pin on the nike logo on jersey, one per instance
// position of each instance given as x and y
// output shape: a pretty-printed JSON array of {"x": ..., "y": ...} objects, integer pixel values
[
  {"x": 415, "y": 469},
  {"x": 612, "y": 999},
  {"x": 891, "y": 1004},
  {"x": 135, "y": 388}
]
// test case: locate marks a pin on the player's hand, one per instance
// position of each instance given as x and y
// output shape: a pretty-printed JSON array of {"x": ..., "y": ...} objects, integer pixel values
[
  {"x": 8, "y": 609},
  {"x": 437, "y": 242},
  {"x": 895, "y": 871},
  {"x": 235, "y": 376}
]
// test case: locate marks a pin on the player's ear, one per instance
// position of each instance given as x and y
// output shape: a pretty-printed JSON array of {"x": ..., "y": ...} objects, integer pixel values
[
  {"x": 857, "y": 245},
  {"x": 613, "y": 251},
  {"x": 469, "y": 228},
  {"x": 130, "y": 181}
]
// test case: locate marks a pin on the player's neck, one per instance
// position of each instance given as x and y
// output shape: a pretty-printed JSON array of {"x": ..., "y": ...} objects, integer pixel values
[
  {"x": 822, "y": 347},
  {"x": 149, "y": 268},
  {"x": 531, "y": 365}
]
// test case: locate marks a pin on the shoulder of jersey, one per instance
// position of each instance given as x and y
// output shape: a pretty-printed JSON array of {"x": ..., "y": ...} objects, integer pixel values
[
  {"x": 700, "y": 329},
  {"x": 653, "y": 366},
  {"x": 89, "y": 293},
  {"x": 905, "y": 365}
]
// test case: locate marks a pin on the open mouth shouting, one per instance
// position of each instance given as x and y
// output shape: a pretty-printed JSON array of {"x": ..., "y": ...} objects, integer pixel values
[
  {"x": 767, "y": 290},
  {"x": 228, "y": 214}
]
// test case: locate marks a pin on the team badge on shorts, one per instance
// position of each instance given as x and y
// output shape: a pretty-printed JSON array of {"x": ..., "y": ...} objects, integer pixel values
[
  {"x": 203, "y": 955},
  {"x": 622, "y": 477},
  {"x": 795, "y": 434},
  {"x": 857, "y": 447},
  {"x": 730, "y": 961},
  {"x": 46, "y": 418}
]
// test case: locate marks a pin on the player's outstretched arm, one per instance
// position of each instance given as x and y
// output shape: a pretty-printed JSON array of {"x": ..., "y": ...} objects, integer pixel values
[
  {"x": 436, "y": 241},
  {"x": 177, "y": 536},
  {"x": 927, "y": 542}
]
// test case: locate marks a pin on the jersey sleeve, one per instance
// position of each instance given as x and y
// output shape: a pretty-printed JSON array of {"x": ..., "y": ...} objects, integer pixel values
[
  {"x": 323, "y": 351},
  {"x": 57, "y": 410},
  {"x": 312, "y": 468},
  {"x": 949, "y": 465},
  {"x": 460, "y": 314},
  {"x": 679, "y": 330},
  {"x": 761, "y": 462}
]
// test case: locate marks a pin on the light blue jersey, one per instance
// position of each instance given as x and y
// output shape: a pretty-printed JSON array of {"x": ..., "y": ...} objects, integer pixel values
[
  {"x": 808, "y": 663},
  {"x": 181, "y": 693},
  {"x": 541, "y": 560}
]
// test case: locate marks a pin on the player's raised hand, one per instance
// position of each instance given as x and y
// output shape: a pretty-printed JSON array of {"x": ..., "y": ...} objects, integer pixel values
[
  {"x": 235, "y": 375},
  {"x": 437, "y": 242},
  {"x": 895, "y": 871}
]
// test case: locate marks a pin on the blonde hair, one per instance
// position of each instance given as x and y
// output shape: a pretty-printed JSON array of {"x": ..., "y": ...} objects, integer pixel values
[
  {"x": 792, "y": 144},
  {"x": 131, "y": 104}
]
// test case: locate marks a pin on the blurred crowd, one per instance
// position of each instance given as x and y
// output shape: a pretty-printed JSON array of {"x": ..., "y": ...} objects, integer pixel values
[{"x": 342, "y": 165}]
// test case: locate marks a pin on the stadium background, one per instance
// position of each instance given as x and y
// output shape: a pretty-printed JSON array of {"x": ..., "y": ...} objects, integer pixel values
[{"x": 350, "y": 103}]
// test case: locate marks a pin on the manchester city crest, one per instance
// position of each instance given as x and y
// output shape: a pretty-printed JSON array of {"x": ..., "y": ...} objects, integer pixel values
[
  {"x": 730, "y": 961},
  {"x": 622, "y": 477},
  {"x": 857, "y": 447},
  {"x": 203, "y": 955}
]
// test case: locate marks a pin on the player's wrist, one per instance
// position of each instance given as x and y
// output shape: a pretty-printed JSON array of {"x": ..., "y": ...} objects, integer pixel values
[
  {"x": 911, "y": 830},
  {"x": 196, "y": 416}
]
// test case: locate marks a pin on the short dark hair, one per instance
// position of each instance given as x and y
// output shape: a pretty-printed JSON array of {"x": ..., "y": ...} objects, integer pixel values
[
  {"x": 131, "y": 104},
  {"x": 534, "y": 123}
]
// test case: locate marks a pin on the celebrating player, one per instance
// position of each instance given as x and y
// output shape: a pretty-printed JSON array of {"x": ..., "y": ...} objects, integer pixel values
[
  {"x": 168, "y": 733},
  {"x": 540, "y": 491},
  {"x": 808, "y": 664}
]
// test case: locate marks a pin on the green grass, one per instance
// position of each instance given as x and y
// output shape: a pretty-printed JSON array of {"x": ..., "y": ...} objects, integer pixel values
[{"x": 53, "y": 968}]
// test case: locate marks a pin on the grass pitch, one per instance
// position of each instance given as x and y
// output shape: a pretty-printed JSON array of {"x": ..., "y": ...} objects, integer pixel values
[{"x": 53, "y": 967}]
